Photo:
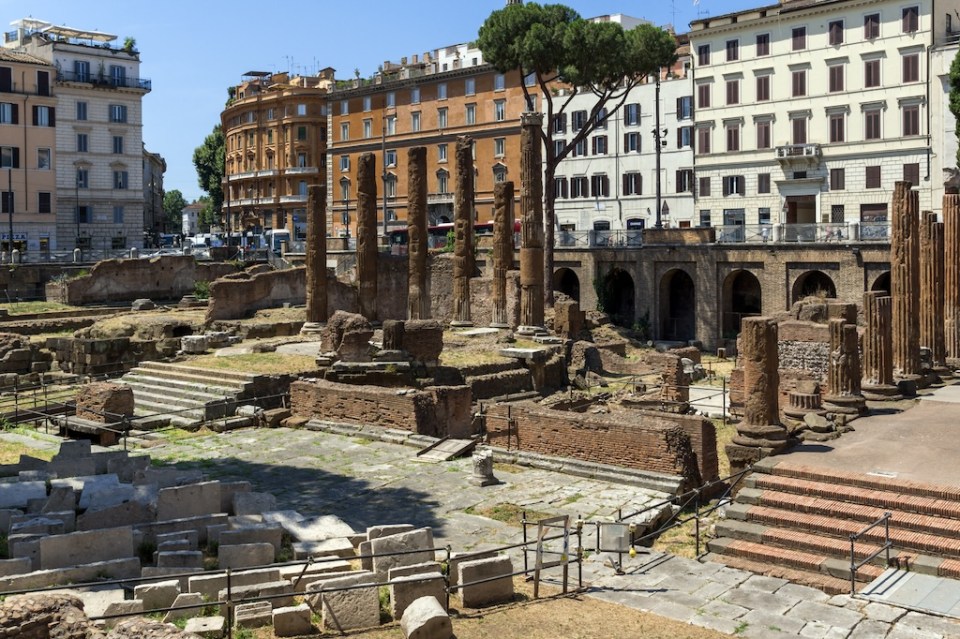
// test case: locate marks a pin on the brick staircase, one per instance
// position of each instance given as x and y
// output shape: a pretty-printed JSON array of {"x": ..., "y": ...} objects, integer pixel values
[
  {"x": 795, "y": 522},
  {"x": 182, "y": 395}
]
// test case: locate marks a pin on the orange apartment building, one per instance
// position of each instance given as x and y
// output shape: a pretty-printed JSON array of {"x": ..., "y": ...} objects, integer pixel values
[
  {"x": 28, "y": 183},
  {"x": 430, "y": 101},
  {"x": 274, "y": 137}
]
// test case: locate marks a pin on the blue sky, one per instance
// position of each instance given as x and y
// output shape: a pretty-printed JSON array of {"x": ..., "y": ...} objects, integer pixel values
[{"x": 192, "y": 51}]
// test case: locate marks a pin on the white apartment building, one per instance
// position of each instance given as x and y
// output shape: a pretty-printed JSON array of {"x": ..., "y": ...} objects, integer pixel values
[
  {"x": 808, "y": 112},
  {"x": 943, "y": 122},
  {"x": 99, "y": 144}
]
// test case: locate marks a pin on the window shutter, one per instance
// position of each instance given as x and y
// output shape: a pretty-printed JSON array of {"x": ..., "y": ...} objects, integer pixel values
[
  {"x": 16, "y": 114},
  {"x": 726, "y": 186},
  {"x": 34, "y": 111},
  {"x": 6, "y": 79},
  {"x": 16, "y": 157},
  {"x": 53, "y": 116}
]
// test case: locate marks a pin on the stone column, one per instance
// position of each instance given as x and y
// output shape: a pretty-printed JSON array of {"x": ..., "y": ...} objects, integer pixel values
[
  {"x": 531, "y": 230},
  {"x": 951, "y": 279},
  {"x": 760, "y": 433},
  {"x": 843, "y": 375},
  {"x": 418, "y": 301},
  {"x": 931, "y": 290},
  {"x": 878, "y": 348},
  {"x": 502, "y": 250},
  {"x": 463, "y": 264},
  {"x": 316, "y": 258},
  {"x": 905, "y": 283},
  {"x": 367, "y": 235}
]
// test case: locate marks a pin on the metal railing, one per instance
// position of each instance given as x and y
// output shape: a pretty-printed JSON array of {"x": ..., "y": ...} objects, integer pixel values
[
  {"x": 826, "y": 233},
  {"x": 887, "y": 545},
  {"x": 104, "y": 80}
]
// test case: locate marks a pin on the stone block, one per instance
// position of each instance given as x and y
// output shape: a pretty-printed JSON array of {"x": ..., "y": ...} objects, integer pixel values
[
  {"x": 185, "y": 559},
  {"x": 127, "y": 468},
  {"x": 127, "y": 568},
  {"x": 74, "y": 449},
  {"x": 425, "y": 618},
  {"x": 230, "y": 488},
  {"x": 301, "y": 575},
  {"x": 253, "y": 615},
  {"x": 245, "y": 555},
  {"x": 167, "y": 477},
  {"x": 185, "y": 599},
  {"x": 173, "y": 545},
  {"x": 319, "y": 528},
  {"x": 206, "y": 627},
  {"x": 458, "y": 557},
  {"x": 417, "y": 545},
  {"x": 192, "y": 500},
  {"x": 292, "y": 621},
  {"x": 26, "y": 547},
  {"x": 38, "y": 526},
  {"x": 251, "y": 503},
  {"x": 6, "y": 516},
  {"x": 97, "y": 496},
  {"x": 131, "y": 607},
  {"x": 210, "y": 585},
  {"x": 194, "y": 344},
  {"x": 17, "y": 566},
  {"x": 427, "y": 567},
  {"x": 280, "y": 593},
  {"x": 190, "y": 537},
  {"x": 375, "y": 532},
  {"x": 152, "y": 529},
  {"x": 159, "y": 594},
  {"x": 475, "y": 595},
  {"x": 86, "y": 547},
  {"x": 104, "y": 402},
  {"x": 16, "y": 495},
  {"x": 61, "y": 498},
  {"x": 102, "y": 459},
  {"x": 272, "y": 535},
  {"x": 72, "y": 467},
  {"x": 406, "y": 590},
  {"x": 129, "y": 513},
  {"x": 336, "y": 547},
  {"x": 349, "y": 609}
]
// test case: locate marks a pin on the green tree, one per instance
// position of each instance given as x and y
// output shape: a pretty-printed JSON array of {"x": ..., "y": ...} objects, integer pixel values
[
  {"x": 173, "y": 205},
  {"x": 955, "y": 97},
  {"x": 209, "y": 159},
  {"x": 560, "y": 49},
  {"x": 208, "y": 216}
]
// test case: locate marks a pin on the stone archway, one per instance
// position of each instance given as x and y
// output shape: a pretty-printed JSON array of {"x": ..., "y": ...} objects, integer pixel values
[
  {"x": 566, "y": 281},
  {"x": 882, "y": 283},
  {"x": 617, "y": 297},
  {"x": 813, "y": 284},
  {"x": 678, "y": 306},
  {"x": 742, "y": 297}
]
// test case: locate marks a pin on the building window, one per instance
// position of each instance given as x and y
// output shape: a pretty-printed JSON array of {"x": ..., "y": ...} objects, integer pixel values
[
  {"x": 632, "y": 184},
  {"x": 499, "y": 110},
  {"x": 81, "y": 110},
  {"x": 911, "y": 67},
  {"x": 499, "y": 147},
  {"x": 763, "y": 134},
  {"x": 82, "y": 143},
  {"x": 83, "y": 179},
  {"x": 703, "y": 140},
  {"x": 301, "y": 160},
  {"x": 763, "y": 88},
  {"x": 367, "y": 128},
  {"x": 871, "y": 120},
  {"x": 837, "y": 179},
  {"x": 733, "y": 50},
  {"x": 43, "y": 159},
  {"x": 684, "y": 108},
  {"x": 763, "y": 183},
  {"x": 558, "y": 147},
  {"x": 835, "y": 79},
  {"x": 344, "y": 107},
  {"x": 470, "y": 86},
  {"x": 763, "y": 215},
  {"x": 344, "y": 162},
  {"x": 391, "y": 124},
  {"x": 733, "y": 92},
  {"x": 873, "y": 177},
  {"x": 118, "y": 214},
  {"x": 799, "y": 38},
  {"x": 118, "y": 113},
  {"x": 684, "y": 179},
  {"x": 579, "y": 149},
  {"x": 911, "y": 20},
  {"x": 600, "y": 185},
  {"x": 763, "y": 44},
  {"x": 390, "y": 186},
  {"x": 7, "y": 202},
  {"x": 499, "y": 82},
  {"x": 733, "y": 185},
  {"x": 390, "y": 158},
  {"x": 301, "y": 109},
  {"x": 43, "y": 116},
  {"x": 911, "y": 173},
  {"x": 799, "y": 83},
  {"x": 8, "y": 113},
  {"x": 836, "y": 127},
  {"x": 911, "y": 119},
  {"x": 118, "y": 145},
  {"x": 344, "y": 131},
  {"x": 799, "y": 126},
  {"x": 271, "y": 114},
  {"x": 499, "y": 173},
  {"x": 415, "y": 121},
  {"x": 415, "y": 95},
  {"x": 703, "y": 187},
  {"x": 44, "y": 203},
  {"x": 871, "y": 26},
  {"x": 560, "y": 188},
  {"x": 599, "y": 144},
  {"x": 442, "y": 182},
  {"x": 344, "y": 189},
  {"x": 442, "y": 118},
  {"x": 703, "y": 96},
  {"x": 530, "y": 79},
  {"x": 835, "y": 32},
  {"x": 120, "y": 180},
  {"x": 871, "y": 73},
  {"x": 601, "y": 119},
  {"x": 703, "y": 55},
  {"x": 704, "y": 218},
  {"x": 631, "y": 113},
  {"x": 442, "y": 152},
  {"x": 81, "y": 70},
  {"x": 366, "y": 103},
  {"x": 471, "y": 114},
  {"x": 579, "y": 187},
  {"x": 579, "y": 120},
  {"x": 442, "y": 91},
  {"x": 733, "y": 137},
  {"x": 631, "y": 142},
  {"x": 531, "y": 102},
  {"x": 560, "y": 124},
  {"x": 684, "y": 137}
]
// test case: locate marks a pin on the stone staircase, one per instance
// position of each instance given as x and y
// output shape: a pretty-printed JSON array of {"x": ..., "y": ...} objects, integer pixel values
[
  {"x": 795, "y": 522},
  {"x": 182, "y": 395}
]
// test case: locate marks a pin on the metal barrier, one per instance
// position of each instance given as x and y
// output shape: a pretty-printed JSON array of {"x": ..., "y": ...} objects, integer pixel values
[{"x": 887, "y": 545}]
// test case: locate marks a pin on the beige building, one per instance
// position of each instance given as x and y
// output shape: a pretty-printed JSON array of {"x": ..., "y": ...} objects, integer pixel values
[
  {"x": 28, "y": 112},
  {"x": 154, "y": 218}
]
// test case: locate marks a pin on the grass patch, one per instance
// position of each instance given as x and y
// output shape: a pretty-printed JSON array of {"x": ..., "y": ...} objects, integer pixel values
[
  {"x": 29, "y": 308},
  {"x": 507, "y": 513},
  {"x": 10, "y": 452},
  {"x": 265, "y": 363}
]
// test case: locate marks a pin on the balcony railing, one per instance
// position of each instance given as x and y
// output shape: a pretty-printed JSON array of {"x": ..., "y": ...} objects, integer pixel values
[
  {"x": 799, "y": 154},
  {"x": 632, "y": 238},
  {"x": 803, "y": 233},
  {"x": 293, "y": 198},
  {"x": 301, "y": 170},
  {"x": 104, "y": 81}
]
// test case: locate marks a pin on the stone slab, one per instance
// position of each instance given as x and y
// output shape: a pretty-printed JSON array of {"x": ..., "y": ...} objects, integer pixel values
[
  {"x": 210, "y": 585},
  {"x": 329, "y": 547},
  {"x": 152, "y": 529},
  {"x": 185, "y": 599},
  {"x": 272, "y": 535},
  {"x": 245, "y": 555},
  {"x": 192, "y": 500},
  {"x": 159, "y": 594},
  {"x": 280, "y": 592},
  {"x": 252, "y": 503},
  {"x": 131, "y": 513},
  {"x": 16, "y": 495},
  {"x": 117, "y": 569},
  {"x": 350, "y": 609},
  {"x": 86, "y": 547},
  {"x": 417, "y": 545},
  {"x": 292, "y": 621},
  {"x": 405, "y": 590},
  {"x": 230, "y": 488},
  {"x": 185, "y": 559},
  {"x": 206, "y": 627},
  {"x": 300, "y": 577},
  {"x": 475, "y": 595},
  {"x": 426, "y": 618}
]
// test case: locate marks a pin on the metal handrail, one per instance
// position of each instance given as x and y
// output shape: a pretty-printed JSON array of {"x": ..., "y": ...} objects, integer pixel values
[{"x": 887, "y": 545}]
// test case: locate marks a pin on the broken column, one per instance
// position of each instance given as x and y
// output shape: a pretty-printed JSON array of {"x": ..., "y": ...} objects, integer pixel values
[
  {"x": 502, "y": 250},
  {"x": 951, "y": 279},
  {"x": 316, "y": 258},
  {"x": 843, "y": 373},
  {"x": 367, "y": 235},
  {"x": 531, "y": 230},
  {"x": 759, "y": 434},
  {"x": 418, "y": 301},
  {"x": 931, "y": 290},
  {"x": 878, "y": 383},
  {"x": 905, "y": 285},
  {"x": 463, "y": 265}
]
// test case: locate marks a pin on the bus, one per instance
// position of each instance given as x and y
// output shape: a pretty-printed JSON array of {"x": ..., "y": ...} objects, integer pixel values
[
  {"x": 273, "y": 239},
  {"x": 437, "y": 236}
]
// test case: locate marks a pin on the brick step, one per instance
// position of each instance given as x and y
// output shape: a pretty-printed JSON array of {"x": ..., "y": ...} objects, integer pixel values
[
  {"x": 213, "y": 386},
  {"x": 796, "y": 540},
  {"x": 880, "y": 499},
  {"x": 903, "y": 539},
  {"x": 826, "y": 583},
  {"x": 173, "y": 370},
  {"x": 773, "y": 466},
  {"x": 813, "y": 504}
]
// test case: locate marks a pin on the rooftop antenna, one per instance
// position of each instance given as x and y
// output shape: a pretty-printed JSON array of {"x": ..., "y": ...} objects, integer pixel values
[{"x": 701, "y": 12}]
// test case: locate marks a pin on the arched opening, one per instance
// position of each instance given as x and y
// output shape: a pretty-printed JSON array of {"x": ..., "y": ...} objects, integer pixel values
[
  {"x": 742, "y": 297},
  {"x": 813, "y": 283},
  {"x": 567, "y": 282},
  {"x": 617, "y": 297},
  {"x": 678, "y": 306},
  {"x": 882, "y": 283}
]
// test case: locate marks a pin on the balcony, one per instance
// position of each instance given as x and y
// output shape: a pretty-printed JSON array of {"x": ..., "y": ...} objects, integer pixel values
[
  {"x": 104, "y": 81},
  {"x": 803, "y": 233},
  {"x": 799, "y": 155},
  {"x": 301, "y": 170},
  {"x": 293, "y": 199},
  {"x": 439, "y": 198},
  {"x": 265, "y": 173}
]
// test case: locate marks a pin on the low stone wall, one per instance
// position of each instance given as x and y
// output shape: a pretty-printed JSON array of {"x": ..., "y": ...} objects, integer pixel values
[
  {"x": 438, "y": 411},
  {"x": 699, "y": 235},
  {"x": 804, "y": 346},
  {"x": 235, "y": 297},
  {"x": 100, "y": 356},
  {"x": 642, "y": 440}
]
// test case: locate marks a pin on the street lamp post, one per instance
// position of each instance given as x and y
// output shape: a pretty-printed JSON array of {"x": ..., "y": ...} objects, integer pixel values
[
  {"x": 76, "y": 212},
  {"x": 10, "y": 208},
  {"x": 657, "y": 135}
]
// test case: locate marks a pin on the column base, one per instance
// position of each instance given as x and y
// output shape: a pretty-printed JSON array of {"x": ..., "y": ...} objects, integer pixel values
[
  {"x": 529, "y": 331},
  {"x": 499, "y": 325},
  {"x": 881, "y": 392},
  {"x": 312, "y": 328},
  {"x": 461, "y": 324},
  {"x": 772, "y": 436},
  {"x": 845, "y": 404}
]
